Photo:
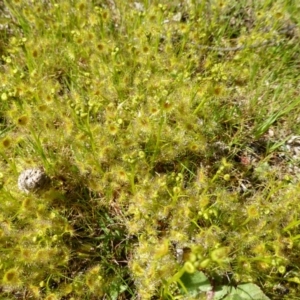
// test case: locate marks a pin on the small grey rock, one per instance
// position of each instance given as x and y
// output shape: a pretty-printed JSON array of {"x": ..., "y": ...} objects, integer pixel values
[
  {"x": 32, "y": 180},
  {"x": 293, "y": 146}
]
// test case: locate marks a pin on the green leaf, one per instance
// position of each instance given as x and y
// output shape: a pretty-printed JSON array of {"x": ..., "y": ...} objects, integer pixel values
[
  {"x": 117, "y": 290},
  {"x": 247, "y": 291},
  {"x": 221, "y": 291},
  {"x": 195, "y": 283}
]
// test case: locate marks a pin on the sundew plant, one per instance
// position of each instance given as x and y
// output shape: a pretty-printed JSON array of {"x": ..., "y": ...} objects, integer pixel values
[{"x": 169, "y": 132}]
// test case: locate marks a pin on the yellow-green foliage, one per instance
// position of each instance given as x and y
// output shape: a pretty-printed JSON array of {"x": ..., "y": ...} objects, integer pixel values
[{"x": 162, "y": 126}]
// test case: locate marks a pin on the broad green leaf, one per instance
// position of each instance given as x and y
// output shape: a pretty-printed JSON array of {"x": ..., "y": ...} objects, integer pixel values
[
  {"x": 247, "y": 291},
  {"x": 116, "y": 289},
  {"x": 221, "y": 291},
  {"x": 195, "y": 283},
  {"x": 233, "y": 297}
]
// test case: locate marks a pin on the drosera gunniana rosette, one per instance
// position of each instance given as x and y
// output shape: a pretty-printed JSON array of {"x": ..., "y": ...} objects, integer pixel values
[{"x": 33, "y": 180}]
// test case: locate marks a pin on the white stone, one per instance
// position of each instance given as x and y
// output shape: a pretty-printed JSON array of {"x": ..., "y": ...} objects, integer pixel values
[
  {"x": 293, "y": 146},
  {"x": 31, "y": 180}
]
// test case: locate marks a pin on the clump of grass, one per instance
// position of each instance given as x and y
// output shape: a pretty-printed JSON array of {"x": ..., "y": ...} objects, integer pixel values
[{"x": 163, "y": 129}]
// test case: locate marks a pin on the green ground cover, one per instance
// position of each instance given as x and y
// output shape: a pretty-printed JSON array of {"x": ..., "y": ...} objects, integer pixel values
[{"x": 170, "y": 133}]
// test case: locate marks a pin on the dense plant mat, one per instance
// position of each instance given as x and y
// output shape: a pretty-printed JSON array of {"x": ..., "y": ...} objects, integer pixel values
[{"x": 168, "y": 135}]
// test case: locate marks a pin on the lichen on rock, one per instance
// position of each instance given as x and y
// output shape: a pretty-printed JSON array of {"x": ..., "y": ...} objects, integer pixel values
[{"x": 32, "y": 180}]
